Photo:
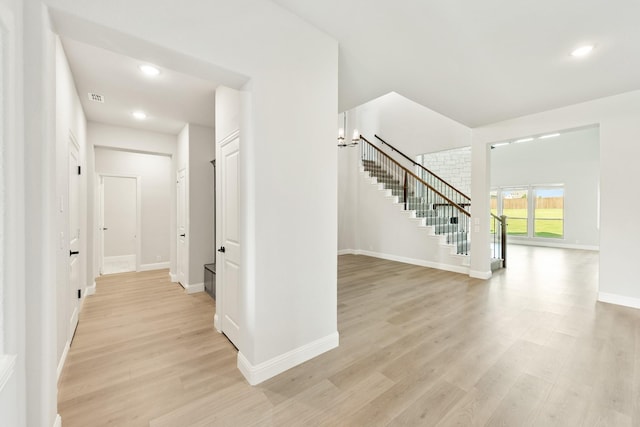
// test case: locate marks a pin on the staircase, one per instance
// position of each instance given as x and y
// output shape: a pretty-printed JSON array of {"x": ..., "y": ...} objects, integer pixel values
[{"x": 435, "y": 203}]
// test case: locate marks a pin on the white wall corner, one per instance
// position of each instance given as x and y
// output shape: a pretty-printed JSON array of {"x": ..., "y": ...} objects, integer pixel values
[
  {"x": 255, "y": 374},
  {"x": 484, "y": 275},
  {"x": 346, "y": 252},
  {"x": 90, "y": 290},
  {"x": 173, "y": 277},
  {"x": 195, "y": 288},
  {"x": 63, "y": 359},
  {"x": 58, "y": 421},
  {"x": 619, "y": 300}
]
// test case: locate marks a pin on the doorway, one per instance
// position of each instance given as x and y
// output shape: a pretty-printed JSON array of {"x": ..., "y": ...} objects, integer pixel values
[{"x": 120, "y": 223}]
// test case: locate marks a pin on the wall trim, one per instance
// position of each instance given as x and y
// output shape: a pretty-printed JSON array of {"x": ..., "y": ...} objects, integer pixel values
[
  {"x": 7, "y": 367},
  {"x": 90, "y": 290},
  {"x": 619, "y": 300},
  {"x": 484, "y": 275},
  {"x": 346, "y": 252},
  {"x": 553, "y": 244},
  {"x": 119, "y": 264},
  {"x": 173, "y": 277},
  {"x": 422, "y": 263},
  {"x": 58, "y": 421},
  {"x": 255, "y": 374},
  {"x": 192, "y": 289},
  {"x": 63, "y": 359},
  {"x": 155, "y": 266},
  {"x": 216, "y": 323}
]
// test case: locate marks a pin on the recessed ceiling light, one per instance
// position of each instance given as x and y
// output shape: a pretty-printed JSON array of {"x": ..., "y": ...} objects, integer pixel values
[
  {"x": 551, "y": 135},
  {"x": 140, "y": 115},
  {"x": 149, "y": 70},
  {"x": 582, "y": 50},
  {"x": 524, "y": 140}
]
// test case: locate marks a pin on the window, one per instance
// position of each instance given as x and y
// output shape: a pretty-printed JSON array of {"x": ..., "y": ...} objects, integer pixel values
[
  {"x": 516, "y": 207},
  {"x": 549, "y": 212},
  {"x": 532, "y": 211}
]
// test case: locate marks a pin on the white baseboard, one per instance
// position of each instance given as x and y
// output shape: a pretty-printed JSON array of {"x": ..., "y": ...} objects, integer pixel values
[
  {"x": 216, "y": 323},
  {"x": 156, "y": 266},
  {"x": 255, "y": 374},
  {"x": 546, "y": 244},
  {"x": 422, "y": 263},
  {"x": 90, "y": 290},
  {"x": 346, "y": 252},
  {"x": 173, "y": 277},
  {"x": 58, "y": 421},
  {"x": 194, "y": 288},
  {"x": 119, "y": 264},
  {"x": 63, "y": 359},
  {"x": 484, "y": 275},
  {"x": 7, "y": 366},
  {"x": 619, "y": 300}
]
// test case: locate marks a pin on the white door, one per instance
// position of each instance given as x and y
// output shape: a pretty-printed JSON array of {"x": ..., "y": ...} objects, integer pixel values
[
  {"x": 120, "y": 218},
  {"x": 182, "y": 227},
  {"x": 228, "y": 255},
  {"x": 74, "y": 235}
]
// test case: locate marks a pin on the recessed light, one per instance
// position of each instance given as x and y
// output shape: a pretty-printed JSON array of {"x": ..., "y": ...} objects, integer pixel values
[
  {"x": 551, "y": 135},
  {"x": 523, "y": 140},
  {"x": 582, "y": 50},
  {"x": 140, "y": 115},
  {"x": 149, "y": 70}
]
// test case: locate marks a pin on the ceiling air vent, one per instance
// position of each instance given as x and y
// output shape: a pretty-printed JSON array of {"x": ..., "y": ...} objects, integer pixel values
[{"x": 96, "y": 97}]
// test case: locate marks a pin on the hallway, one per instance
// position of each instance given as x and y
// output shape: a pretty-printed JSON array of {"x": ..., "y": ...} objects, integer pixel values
[{"x": 417, "y": 347}]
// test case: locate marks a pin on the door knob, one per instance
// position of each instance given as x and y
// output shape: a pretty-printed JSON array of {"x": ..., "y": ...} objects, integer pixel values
[
  {"x": 73, "y": 253},
  {"x": 222, "y": 249}
]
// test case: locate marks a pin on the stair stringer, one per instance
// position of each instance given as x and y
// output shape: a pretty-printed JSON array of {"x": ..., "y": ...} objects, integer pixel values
[{"x": 386, "y": 230}]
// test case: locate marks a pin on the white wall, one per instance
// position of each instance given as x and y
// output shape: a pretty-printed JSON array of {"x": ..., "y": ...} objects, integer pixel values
[
  {"x": 619, "y": 151},
  {"x": 157, "y": 182},
  {"x": 409, "y": 126},
  {"x": 571, "y": 159},
  {"x": 12, "y": 252},
  {"x": 69, "y": 119},
  {"x": 200, "y": 196}
]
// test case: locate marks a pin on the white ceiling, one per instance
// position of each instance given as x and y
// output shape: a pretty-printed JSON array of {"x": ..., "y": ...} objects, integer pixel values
[
  {"x": 170, "y": 99},
  {"x": 480, "y": 62}
]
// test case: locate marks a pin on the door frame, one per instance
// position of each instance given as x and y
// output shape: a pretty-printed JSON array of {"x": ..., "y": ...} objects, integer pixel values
[
  {"x": 76, "y": 306},
  {"x": 100, "y": 209},
  {"x": 218, "y": 318},
  {"x": 182, "y": 278}
]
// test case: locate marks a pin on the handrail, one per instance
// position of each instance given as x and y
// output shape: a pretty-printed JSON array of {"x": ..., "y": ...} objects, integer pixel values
[
  {"x": 502, "y": 219},
  {"x": 460, "y": 208},
  {"x": 422, "y": 167}
]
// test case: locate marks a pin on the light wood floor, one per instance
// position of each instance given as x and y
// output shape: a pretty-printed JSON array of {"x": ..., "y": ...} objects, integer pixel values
[{"x": 417, "y": 347}]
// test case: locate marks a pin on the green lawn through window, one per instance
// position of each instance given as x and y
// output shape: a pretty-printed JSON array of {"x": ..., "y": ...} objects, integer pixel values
[{"x": 548, "y": 222}]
